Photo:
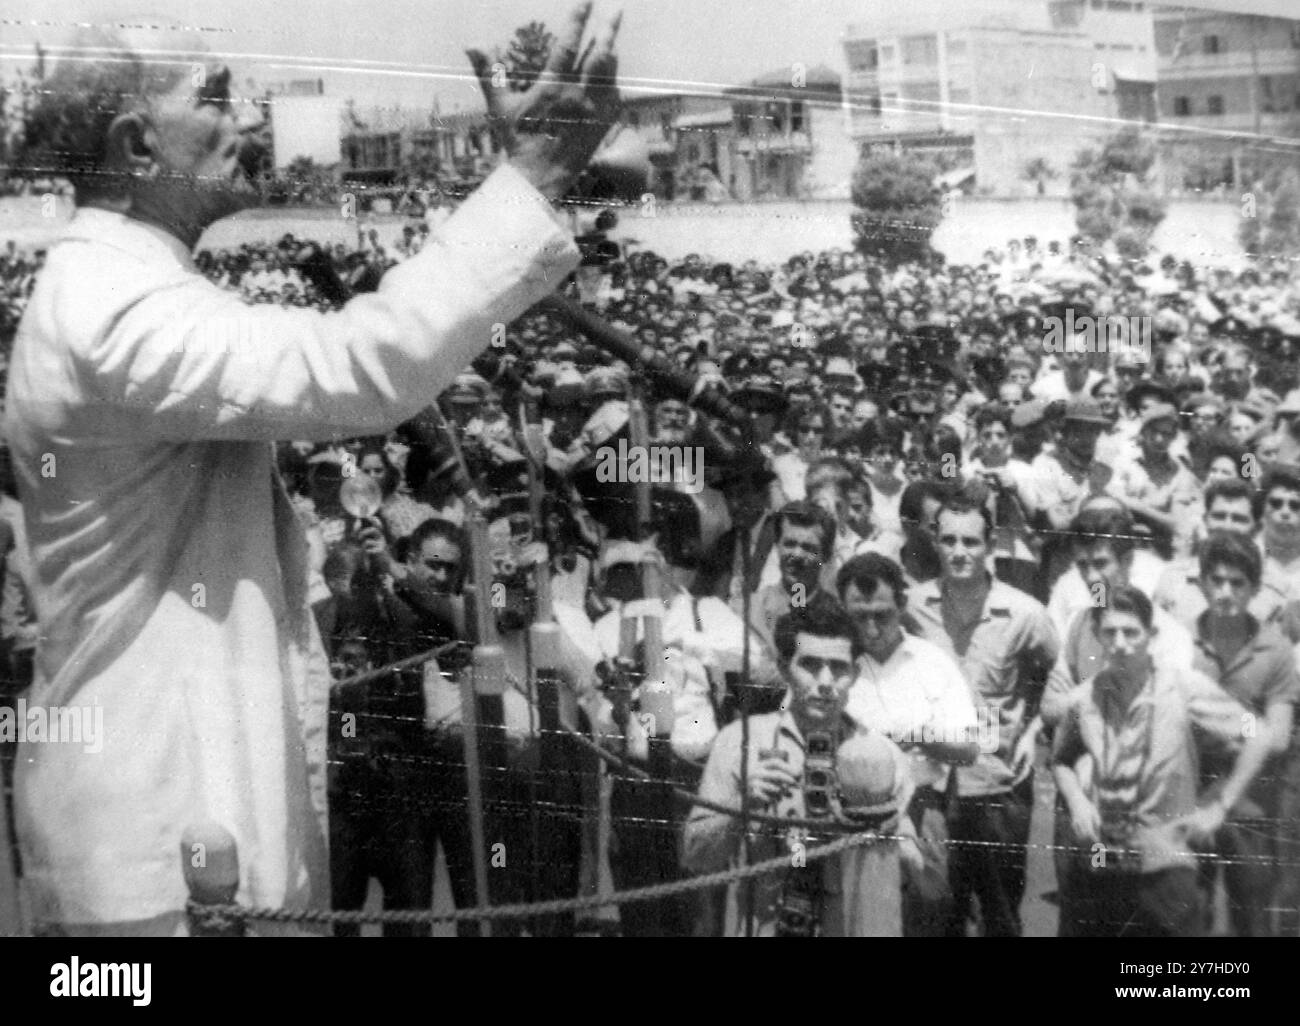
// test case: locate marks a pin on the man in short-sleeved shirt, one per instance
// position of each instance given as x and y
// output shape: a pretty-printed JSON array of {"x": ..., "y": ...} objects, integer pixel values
[
  {"x": 1255, "y": 664},
  {"x": 1004, "y": 643}
]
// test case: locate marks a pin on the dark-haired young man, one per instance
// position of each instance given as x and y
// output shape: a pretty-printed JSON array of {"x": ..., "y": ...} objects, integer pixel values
[
  {"x": 1231, "y": 505},
  {"x": 805, "y": 542},
  {"x": 1255, "y": 664},
  {"x": 1142, "y": 730},
  {"x": 862, "y": 777},
  {"x": 1005, "y": 644}
]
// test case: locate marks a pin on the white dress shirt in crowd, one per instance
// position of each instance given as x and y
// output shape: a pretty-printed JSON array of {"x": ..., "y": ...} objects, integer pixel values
[{"x": 917, "y": 693}]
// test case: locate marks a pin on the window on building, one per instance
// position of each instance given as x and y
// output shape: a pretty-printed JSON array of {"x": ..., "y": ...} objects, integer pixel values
[
  {"x": 1215, "y": 105},
  {"x": 743, "y": 124},
  {"x": 956, "y": 46},
  {"x": 1182, "y": 106},
  {"x": 873, "y": 105},
  {"x": 775, "y": 117},
  {"x": 1295, "y": 34},
  {"x": 796, "y": 116},
  {"x": 862, "y": 56},
  {"x": 1266, "y": 100},
  {"x": 920, "y": 49},
  {"x": 887, "y": 55},
  {"x": 666, "y": 123},
  {"x": 1212, "y": 44}
]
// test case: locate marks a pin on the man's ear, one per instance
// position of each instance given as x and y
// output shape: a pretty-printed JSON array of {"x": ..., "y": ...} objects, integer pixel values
[{"x": 129, "y": 148}]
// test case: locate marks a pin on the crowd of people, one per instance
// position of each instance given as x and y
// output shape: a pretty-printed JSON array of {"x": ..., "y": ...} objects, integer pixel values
[{"x": 945, "y": 555}]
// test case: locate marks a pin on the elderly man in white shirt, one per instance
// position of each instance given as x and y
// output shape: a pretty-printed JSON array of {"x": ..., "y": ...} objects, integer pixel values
[
  {"x": 911, "y": 690},
  {"x": 170, "y": 569}
]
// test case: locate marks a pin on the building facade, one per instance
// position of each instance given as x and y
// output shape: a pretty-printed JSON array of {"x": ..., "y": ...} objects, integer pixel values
[
  {"x": 1228, "y": 83},
  {"x": 1006, "y": 91}
]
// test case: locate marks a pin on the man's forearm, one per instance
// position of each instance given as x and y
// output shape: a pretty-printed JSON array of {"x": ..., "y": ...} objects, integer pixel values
[{"x": 1244, "y": 771}]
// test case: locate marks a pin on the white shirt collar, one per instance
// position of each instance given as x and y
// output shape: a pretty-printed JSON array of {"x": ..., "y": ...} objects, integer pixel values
[{"x": 126, "y": 233}]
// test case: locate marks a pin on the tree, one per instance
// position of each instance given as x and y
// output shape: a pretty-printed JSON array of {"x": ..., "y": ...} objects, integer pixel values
[
  {"x": 527, "y": 54},
  {"x": 898, "y": 205},
  {"x": 1040, "y": 172},
  {"x": 1114, "y": 197},
  {"x": 1270, "y": 225}
]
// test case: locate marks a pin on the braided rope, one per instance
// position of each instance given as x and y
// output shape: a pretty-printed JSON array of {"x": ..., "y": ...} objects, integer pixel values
[{"x": 204, "y": 915}]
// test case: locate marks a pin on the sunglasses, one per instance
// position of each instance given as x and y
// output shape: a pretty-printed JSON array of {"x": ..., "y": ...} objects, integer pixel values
[
  {"x": 1278, "y": 503},
  {"x": 811, "y": 429}
]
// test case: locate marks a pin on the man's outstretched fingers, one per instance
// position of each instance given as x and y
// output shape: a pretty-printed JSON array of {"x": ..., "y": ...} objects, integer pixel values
[
  {"x": 483, "y": 72},
  {"x": 607, "y": 48},
  {"x": 562, "y": 60}
]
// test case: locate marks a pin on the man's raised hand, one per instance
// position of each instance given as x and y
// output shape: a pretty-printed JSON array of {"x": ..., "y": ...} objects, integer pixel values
[{"x": 551, "y": 131}]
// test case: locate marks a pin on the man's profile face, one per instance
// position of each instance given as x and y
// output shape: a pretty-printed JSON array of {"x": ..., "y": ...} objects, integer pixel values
[
  {"x": 820, "y": 674},
  {"x": 201, "y": 144}
]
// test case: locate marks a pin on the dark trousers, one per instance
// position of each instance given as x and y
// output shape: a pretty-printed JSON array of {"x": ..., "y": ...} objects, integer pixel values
[
  {"x": 1286, "y": 831},
  {"x": 990, "y": 836},
  {"x": 1246, "y": 849},
  {"x": 1112, "y": 903},
  {"x": 386, "y": 819},
  {"x": 535, "y": 809},
  {"x": 927, "y": 896},
  {"x": 647, "y": 830}
]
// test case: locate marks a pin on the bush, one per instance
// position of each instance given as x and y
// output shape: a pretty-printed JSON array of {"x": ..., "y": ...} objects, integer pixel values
[
  {"x": 1275, "y": 228},
  {"x": 1113, "y": 196},
  {"x": 898, "y": 206}
]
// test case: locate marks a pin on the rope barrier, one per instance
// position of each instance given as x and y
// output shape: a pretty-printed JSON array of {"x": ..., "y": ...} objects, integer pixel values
[{"x": 221, "y": 915}]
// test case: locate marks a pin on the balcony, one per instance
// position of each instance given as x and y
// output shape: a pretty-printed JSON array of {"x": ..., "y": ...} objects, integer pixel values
[{"x": 1225, "y": 65}]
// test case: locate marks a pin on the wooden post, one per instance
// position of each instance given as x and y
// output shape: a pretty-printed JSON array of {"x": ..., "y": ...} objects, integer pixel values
[{"x": 210, "y": 863}]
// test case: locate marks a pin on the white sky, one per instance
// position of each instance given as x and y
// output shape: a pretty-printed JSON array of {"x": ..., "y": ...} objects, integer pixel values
[{"x": 417, "y": 45}]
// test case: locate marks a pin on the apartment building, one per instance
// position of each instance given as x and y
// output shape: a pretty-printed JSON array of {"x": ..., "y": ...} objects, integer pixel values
[
  {"x": 1001, "y": 93},
  {"x": 1227, "y": 83}
]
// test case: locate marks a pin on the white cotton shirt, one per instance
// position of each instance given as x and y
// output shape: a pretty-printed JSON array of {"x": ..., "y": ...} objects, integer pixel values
[{"x": 918, "y": 690}]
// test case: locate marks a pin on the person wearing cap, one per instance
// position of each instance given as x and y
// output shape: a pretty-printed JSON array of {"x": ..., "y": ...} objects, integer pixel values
[
  {"x": 1158, "y": 489},
  {"x": 1126, "y": 757},
  {"x": 1065, "y": 478},
  {"x": 856, "y": 893}
]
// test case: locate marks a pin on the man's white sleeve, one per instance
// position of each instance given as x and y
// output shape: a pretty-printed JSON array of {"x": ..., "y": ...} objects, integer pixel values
[{"x": 190, "y": 361}]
